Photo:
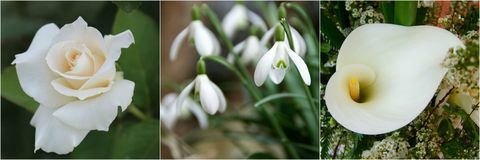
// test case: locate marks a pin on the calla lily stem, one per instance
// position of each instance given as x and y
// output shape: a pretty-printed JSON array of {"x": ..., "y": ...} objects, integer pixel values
[{"x": 242, "y": 73}]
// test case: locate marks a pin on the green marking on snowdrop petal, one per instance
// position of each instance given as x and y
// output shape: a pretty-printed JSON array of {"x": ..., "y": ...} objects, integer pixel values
[{"x": 281, "y": 64}]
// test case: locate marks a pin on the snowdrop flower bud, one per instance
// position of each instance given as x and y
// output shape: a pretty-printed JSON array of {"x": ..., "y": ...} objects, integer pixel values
[
  {"x": 298, "y": 41},
  {"x": 386, "y": 75},
  {"x": 71, "y": 72},
  {"x": 169, "y": 115},
  {"x": 211, "y": 97},
  {"x": 238, "y": 18},
  {"x": 204, "y": 40},
  {"x": 276, "y": 61}
]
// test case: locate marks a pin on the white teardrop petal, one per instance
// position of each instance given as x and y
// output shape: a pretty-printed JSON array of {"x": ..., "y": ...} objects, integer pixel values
[
  {"x": 177, "y": 42},
  {"x": 264, "y": 66}
]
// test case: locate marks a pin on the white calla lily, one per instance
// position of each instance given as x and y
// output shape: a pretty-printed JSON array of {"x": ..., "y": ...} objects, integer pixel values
[
  {"x": 169, "y": 114},
  {"x": 250, "y": 50},
  {"x": 204, "y": 40},
  {"x": 386, "y": 75},
  {"x": 211, "y": 97},
  {"x": 275, "y": 63},
  {"x": 298, "y": 41},
  {"x": 238, "y": 18}
]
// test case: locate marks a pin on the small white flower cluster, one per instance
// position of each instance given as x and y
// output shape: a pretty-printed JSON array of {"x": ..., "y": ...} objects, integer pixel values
[
  {"x": 362, "y": 13},
  {"x": 391, "y": 147},
  {"x": 428, "y": 142},
  {"x": 425, "y": 3}
]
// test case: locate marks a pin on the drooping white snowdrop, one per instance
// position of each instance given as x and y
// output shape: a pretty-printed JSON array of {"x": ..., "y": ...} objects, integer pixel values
[
  {"x": 276, "y": 61},
  {"x": 211, "y": 97},
  {"x": 250, "y": 49},
  {"x": 71, "y": 73},
  {"x": 298, "y": 41},
  {"x": 169, "y": 114},
  {"x": 386, "y": 75},
  {"x": 204, "y": 40},
  {"x": 238, "y": 17}
]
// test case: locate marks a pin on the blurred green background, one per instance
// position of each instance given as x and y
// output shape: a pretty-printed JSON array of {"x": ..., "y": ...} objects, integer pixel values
[{"x": 129, "y": 137}]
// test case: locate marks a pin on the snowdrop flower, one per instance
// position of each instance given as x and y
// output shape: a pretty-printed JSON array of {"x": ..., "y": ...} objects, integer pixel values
[
  {"x": 169, "y": 114},
  {"x": 71, "y": 73},
  {"x": 386, "y": 75},
  {"x": 276, "y": 61},
  {"x": 204, "y": 40},
  {"x": 238, "y": 18},
  {"x": 250, "y": 48},
  {"x": 298, "y": 41},
  {"x": 211, "y": 97}
]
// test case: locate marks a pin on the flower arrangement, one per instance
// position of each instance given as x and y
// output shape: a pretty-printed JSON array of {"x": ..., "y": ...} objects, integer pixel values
[{"x": 405, "y": 89}]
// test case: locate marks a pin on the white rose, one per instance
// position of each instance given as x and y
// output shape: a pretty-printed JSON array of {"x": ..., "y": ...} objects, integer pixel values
[{"x": 71, "y": 73}]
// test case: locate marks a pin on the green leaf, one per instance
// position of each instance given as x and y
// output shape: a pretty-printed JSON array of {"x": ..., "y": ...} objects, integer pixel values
[
  {"x": 261, "y": 155},
  {"x": 445, "y": 129},
  {"x": 388, "y": 10},
  {"x": 95, "y": 142},
  {"x": 140, "y": 61},
  {"x": 278, "y": 96},
  {"x": 12, "y": 91},
  {"x": 451, "y": 149},
  {"x": 405, "y": 12},
  {"x": 140, "y": 140},
  {"x": 127, "y": 6},
  {"x": 330, "y": 30}
]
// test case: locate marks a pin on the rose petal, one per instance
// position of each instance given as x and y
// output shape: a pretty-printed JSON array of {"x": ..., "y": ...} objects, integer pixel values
[
  {"x": 33, "y": 72},
  {"x": 80, "y": 32},
  {"x": 99, "y": 112},
  {"x": 115, "y": 43},
  {"x": 52, "y": 135},
  {"x": 61, "y": 85}
]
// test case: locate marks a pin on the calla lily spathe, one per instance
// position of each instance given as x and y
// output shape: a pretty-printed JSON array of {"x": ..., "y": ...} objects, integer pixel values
[
  {"x": 211, "y": 97},
  {"x": 204, "y": 40},
  {"x": 238, "y": 18},
  {"x": 169, "y": 114},
  {"x": 250, "y": 48},
  {"x": 275, "y": 63},
  {"x": 386, "y": 75},
  {"x": 298, "y": 41}
]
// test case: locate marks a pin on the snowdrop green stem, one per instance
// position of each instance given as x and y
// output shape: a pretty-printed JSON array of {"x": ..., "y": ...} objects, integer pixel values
[
  {"x": 137, "y": 113},
  {"x": 195, "y": 12},
  {"x": 297, "y": 8},
  {"x": 306, "y": 89},
  {"x": 201, "y": 69}
]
